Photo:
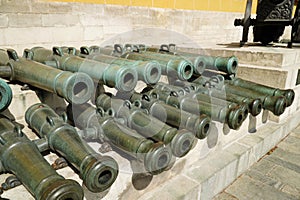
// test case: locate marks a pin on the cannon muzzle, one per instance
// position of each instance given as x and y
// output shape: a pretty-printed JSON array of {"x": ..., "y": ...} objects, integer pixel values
[
  {"x": 98, "y": 173},
  {"x": 154, "y": 156},
  {"x": 149, "y": 71},
  {"x": 5, "y": 95},
  {"x": 288, "y": 94},
  {"x": 74, "y": 87},
  {"x": 148, "y": 126},
  {"x": 21, "y": 157}
]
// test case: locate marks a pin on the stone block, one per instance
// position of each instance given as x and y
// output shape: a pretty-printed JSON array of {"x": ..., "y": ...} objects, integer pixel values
[
  {"x": 256, "y": 145},
  {"x": 242, "y": 153},
  {"x": 284, "y": 163},
  {"x": 226, "y": 177},
  {"x": 271, "y": 134},
  {"x": 266, "y": 76},
  {"x": 264, "y": 166},
  {"x": 210, "y": 166},
  {"x": 61, "y": 7},
  {"x": 15, "y": 6},
  {"x": 93, "y": 33},
  {"x": 2, "y": 37},
  {"x": 29, "y": 35},
  {"x": 224, "y": 196},
  {"x": 60, "y": 20},
  {"x": 286, "y": 176},
  {"x": 92, "y": 20},
  {"x": 180, "y": 187},
  {"x": 39, "y": 6},
  {"x": 3, "y": 20},
  {"x": 67, "y": 34},
  {"x": 87, "y": 8},
  {"x": 24, "y": 20},
  {"x": 246, "y": 188},
  {"x": 257, "y": 176},
  {"x": 290, "y": 144}
]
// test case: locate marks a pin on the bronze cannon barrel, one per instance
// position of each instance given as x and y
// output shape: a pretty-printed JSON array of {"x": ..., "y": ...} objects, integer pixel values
[
  {"x": 275, "y": 104},
  {"x": 5, "y": 95},
  {"x": 180, "y": 141},
  {"x": 172, "y": 67},
  {"x": 201, "y": 62},
  {"x": 122, "y": 78},
  {"x": 74, "y": 87},
  {"x": 288, "y": 94},
  {"x": 148, "y": 71},
  {"x": 199, "y": 125},
  {"x": 254, "y": 104},
  {"x": 97, "y": 172},
  {"x": 97, "y": 126},
  {"x": 233, "y": 117},
  {"x": 20, "y": 156}
]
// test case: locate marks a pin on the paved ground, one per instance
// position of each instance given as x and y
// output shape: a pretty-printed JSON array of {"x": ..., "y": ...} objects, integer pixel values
[{"x": 275, "y": 176}]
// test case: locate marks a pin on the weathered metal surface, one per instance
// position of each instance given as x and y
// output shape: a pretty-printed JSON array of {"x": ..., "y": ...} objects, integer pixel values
[
  {"x": 21, "y": 157},
  {"x": 122, "y": 78},
  {"x": 148, "y": 72},
  {"x": 173, "y": 67},
  {"x": 272, "y": 16},
  {"x": 179, "y": 141},
  {"x": 74, "y": 87},
  {"x": 231, "y": 116},
  {"x": 254, "y": 105},
  {"x": 275, "y": 104},
  {"x": 201, "y": 62},
  {"x": 289, "y": 94},
  {"x": 5, "y": 95},
  {"x": 96, "y": 125},
  {"x": 199, "y": 125},
  {"x": 98, "y": 173}
]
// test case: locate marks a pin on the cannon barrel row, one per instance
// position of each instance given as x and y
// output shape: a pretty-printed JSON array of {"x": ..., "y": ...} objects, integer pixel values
[
  {"x": 151, "y": 126},
  {"x": 200, "y": 62},
  {"x": 180, "y": 141},
  {"x": 121, "y": 77},
  {"x": 97, "y": 172},
  {"x": 74, "y": 87},
  {"x": 148, "y": 71},
  {"x": 154, "y": 156},
  {"x": 199, "y": 125},
  {"x": 21, "y": 157}
]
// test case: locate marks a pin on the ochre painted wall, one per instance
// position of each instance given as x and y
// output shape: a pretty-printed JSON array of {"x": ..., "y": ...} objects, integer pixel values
[{"x": 209, "y": 5}]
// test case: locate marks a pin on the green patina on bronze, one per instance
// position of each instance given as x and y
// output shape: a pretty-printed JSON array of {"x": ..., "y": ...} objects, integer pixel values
[
  {"x": 180, "y": 119},
  {"x": 121, "y": 77},
  {"x": 231, "y": 116},
  {"x": 98, "y": 126},
  {"x": 74, "y": 87},
  {"x": 173, "y": 67},
  {"x": 148, "y": 72},
  {"x": 201, "y": 62},
  {"x": 21, "y": 157},
  {"x": 180, "y": 141},
  {"x": 98, "y": 173}
]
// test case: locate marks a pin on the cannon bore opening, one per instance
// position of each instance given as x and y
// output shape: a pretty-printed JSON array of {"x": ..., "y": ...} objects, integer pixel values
[
  {"x": 80, "y": 89},
  {"x": 154, "y": 73},
  {"x": 186, "y": 146},
  {"x": 162, "y": 161},
  {"x": 128, "y": 80},
  {"x": 105, "y": 177},
  {"x": 188, "y": 70}
]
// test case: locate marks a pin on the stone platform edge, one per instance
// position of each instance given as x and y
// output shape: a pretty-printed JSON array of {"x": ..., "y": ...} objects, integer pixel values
[{"x": 210, "y": 176}]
